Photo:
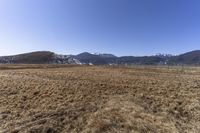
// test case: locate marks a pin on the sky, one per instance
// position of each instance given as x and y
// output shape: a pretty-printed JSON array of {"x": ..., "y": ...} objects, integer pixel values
[{"x": 121, "y": 27}]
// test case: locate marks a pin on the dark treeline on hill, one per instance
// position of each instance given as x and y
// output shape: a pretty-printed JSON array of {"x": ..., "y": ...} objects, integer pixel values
[
  {"x": 38, "y": 57},
  {"x": 34, "y": 57},
  {"x": 47, "y": 57},
  {"x": 190, "y": 58}
]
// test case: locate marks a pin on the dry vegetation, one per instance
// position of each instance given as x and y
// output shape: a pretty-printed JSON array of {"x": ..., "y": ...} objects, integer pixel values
[{"x": 99, "y": 99}]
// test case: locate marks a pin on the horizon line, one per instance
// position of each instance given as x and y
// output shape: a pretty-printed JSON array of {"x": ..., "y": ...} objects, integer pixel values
[{"x": 94, "y": 53}]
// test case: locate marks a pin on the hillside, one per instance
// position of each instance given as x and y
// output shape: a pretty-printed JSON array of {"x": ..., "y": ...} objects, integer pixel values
[
  {"x": 38, "y": 57},
  {"x": 105, "y": 59},
  {"x": 97, "y": 59},
  {"x": 190, "y": 58},
  {"x": 47, "y": 57}
]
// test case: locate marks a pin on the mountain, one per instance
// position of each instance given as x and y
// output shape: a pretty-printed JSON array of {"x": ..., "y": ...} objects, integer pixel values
[
  {"x": 143, "y": 60},
  {"x": 38, "y": 57},
  {"x": 189, "y": 58},
  {"x": 42, "y": 57},
  {"x": 105, "y": 59},
  {"x": 106, "y": 55},
  {"x": 96, "y": 59},
  {"x": 33, "y": 57}
]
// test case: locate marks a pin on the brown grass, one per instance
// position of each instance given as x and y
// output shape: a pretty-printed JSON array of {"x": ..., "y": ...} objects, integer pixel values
[{"x": 62, "y": 99}]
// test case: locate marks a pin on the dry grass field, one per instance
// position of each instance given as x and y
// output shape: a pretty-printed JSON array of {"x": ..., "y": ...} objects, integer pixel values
[{"x": 90, "y": 99}]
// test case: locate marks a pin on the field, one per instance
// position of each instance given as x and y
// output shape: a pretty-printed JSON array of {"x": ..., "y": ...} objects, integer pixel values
[{"x": 91, "y": 99}]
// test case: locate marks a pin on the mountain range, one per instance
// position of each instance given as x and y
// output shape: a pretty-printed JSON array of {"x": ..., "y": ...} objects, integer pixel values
[{"x": 47, "y": 57}]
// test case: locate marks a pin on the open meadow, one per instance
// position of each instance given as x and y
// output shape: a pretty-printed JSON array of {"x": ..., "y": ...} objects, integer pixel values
[{"x": 95, "y": 99}]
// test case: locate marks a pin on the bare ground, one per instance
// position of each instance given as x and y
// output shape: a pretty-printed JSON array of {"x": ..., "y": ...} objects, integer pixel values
[{"x": 37, "y": 99}]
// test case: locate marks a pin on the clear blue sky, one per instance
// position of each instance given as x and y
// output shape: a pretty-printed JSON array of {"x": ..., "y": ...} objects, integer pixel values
[{"x": 121, "y": 27}]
